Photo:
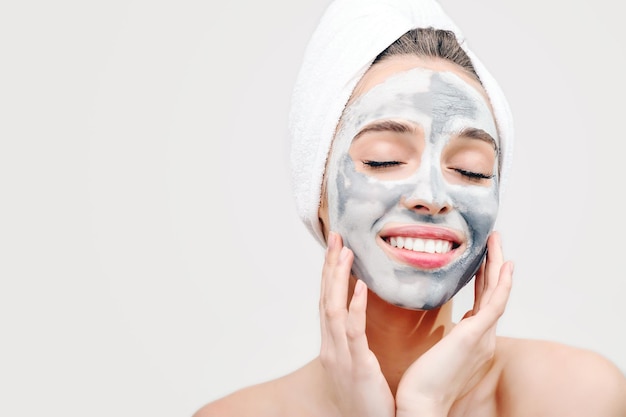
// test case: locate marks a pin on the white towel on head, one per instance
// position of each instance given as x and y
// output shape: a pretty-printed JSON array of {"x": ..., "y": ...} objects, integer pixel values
[{"x": 351, "y": 33}]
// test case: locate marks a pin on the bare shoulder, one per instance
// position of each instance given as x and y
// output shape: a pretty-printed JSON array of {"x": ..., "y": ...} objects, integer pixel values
[
  {"x": 254, "y": 400},
  {"x": 548, "y": 378},
  {"x": 298, "y": 393}
]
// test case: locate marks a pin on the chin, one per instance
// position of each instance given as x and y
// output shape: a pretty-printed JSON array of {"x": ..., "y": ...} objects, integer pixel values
[
  {"x": 431, "y": 301},
  {"x": 411, "y": 290}
]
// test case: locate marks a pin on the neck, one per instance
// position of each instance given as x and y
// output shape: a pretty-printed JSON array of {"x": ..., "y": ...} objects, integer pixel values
[{"x": 398, "y": 336}]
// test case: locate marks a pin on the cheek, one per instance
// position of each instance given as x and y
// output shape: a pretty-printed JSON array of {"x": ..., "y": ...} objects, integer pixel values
[
  {"x": 359, "y": 199},
  {"x": 479, "y": 207}
]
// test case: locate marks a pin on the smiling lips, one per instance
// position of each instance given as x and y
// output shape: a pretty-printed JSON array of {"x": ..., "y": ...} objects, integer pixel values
[{"x": 420, "y": 246}]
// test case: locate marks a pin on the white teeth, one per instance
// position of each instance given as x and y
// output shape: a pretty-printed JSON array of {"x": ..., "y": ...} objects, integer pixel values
[{"x": 421, "y": 245}]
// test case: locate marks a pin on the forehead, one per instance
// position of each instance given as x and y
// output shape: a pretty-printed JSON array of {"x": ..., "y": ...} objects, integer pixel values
[
  {"x": 381, "y": 71},
  {"x": 437, "y": 99}
]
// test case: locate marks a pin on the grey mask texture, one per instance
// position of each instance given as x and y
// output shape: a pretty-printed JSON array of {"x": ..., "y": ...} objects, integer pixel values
[{"x": 360, "y": 205}]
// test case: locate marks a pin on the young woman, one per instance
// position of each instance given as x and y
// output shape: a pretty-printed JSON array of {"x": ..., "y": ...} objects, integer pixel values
[{"x": 399, "y": 161}]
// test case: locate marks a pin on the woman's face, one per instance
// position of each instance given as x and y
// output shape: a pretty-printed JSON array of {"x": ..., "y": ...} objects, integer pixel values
[{"x": 412, "y": 180}]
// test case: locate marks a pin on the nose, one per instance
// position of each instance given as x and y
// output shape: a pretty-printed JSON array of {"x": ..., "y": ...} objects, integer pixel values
[
  {"x": 427, "y": 206},
  {"x": 428, "y": 195}
]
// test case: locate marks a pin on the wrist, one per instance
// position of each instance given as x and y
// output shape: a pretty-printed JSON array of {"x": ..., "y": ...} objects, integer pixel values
[{"x": 422, "y": 408}]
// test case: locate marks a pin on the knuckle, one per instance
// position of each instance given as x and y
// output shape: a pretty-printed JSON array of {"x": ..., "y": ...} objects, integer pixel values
[
  {"x": 328, "y": 361},
  {"x": 334, "y": 313},
  {"x": 487, "y": 349},
  {"x": 487, "y": 355},
  {"x": 322, "y": 304},
  {"x": 469, "y": 337},
  {"x": 370, "y": 364},
  {"x": 325, "y": 303},
  {"x": 354, "y": 333}
]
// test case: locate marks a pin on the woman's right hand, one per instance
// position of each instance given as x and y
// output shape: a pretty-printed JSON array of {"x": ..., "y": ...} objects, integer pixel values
[{"x": 358, "y": 385}]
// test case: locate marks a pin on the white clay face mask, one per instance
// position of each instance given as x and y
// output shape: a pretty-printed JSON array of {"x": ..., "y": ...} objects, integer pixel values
[{"x": 413, "y": 186}]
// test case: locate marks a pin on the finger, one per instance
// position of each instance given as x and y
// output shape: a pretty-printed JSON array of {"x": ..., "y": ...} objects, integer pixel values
[
  {"x": 501, "y": 294},
  {"x": 331, "y": 261},
  {"x": 337, "y": 275},
  {"x": 493, "y": 265},
  {"x": 335, "y": 311},
  {"x": 479, "y": 288},
  {"x": 485, "y": 320},
  {"x": 495, "y": 306},
  {"x": 355, "y": 329},
  {"x": 330, "y": 321}
]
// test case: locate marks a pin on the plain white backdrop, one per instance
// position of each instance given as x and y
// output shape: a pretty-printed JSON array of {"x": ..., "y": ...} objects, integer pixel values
[{"x": 150, "y": 256}]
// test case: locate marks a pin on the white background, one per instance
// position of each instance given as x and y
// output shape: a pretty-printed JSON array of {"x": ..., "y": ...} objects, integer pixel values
[{"x": 150, "y": 256}]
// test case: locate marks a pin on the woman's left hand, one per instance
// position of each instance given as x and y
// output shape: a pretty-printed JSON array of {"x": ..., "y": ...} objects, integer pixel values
[{"x": 452, "y": 367}]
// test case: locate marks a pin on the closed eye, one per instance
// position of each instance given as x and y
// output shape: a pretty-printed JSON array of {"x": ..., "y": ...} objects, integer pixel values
[
  {"x": 382, "y": 164},
  {"x": 473, "y": 175}
]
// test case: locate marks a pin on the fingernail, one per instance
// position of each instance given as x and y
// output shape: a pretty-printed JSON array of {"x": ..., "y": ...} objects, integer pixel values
[
  {"x": 359, "y": 287},
  {"x": 343, "y": 254},
  {"x": 331, "y": 241}
]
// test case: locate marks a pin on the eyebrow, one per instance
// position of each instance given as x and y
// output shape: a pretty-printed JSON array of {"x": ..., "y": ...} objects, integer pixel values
[
  {"x": 398, "y": 127},
  {"x": 473, "y": 133},
  {"x": 386, "y": 126}
]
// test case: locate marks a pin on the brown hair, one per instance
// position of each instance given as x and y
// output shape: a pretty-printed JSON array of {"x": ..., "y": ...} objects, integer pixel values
[{"x": 429, "y": 42}]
